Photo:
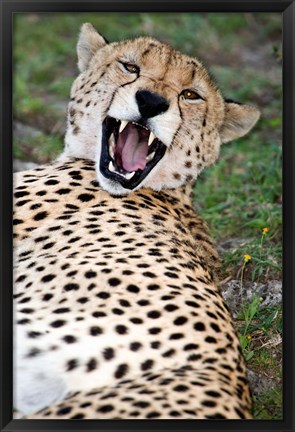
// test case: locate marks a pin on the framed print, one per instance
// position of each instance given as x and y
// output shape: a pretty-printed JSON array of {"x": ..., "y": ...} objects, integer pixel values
[{"x": 147, "y": 215}]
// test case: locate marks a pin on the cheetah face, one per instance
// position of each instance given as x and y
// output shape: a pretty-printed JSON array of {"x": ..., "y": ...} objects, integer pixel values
[{"x": 148, "y": 115}]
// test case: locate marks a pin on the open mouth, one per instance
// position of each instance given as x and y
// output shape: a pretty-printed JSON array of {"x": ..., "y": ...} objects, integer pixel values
[{"x": 129, "y": 152}]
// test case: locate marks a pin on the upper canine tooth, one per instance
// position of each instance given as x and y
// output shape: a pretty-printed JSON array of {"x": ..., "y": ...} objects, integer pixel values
[
  {"x": 151, "y": 138},
  {"x": 123, "y": 124}
]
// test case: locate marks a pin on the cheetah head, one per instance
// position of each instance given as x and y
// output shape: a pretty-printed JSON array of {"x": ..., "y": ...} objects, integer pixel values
[{"x": 147, "y": 114}]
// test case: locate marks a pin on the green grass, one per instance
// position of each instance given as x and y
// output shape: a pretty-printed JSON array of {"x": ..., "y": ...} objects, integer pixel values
[
  {"x": 268, "y": 404},
  {"x": 238, "y": 196}
]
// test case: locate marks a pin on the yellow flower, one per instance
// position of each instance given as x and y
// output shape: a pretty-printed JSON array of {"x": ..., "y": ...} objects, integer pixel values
[
  {"x": 248, "y": 336},
  {"x": 265, "y": 230},
  {"x": 247, "y": 257}
]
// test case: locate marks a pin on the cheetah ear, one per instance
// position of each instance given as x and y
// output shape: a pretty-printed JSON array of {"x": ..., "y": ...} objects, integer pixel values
[
  {"x": 238, "y": 120},
  {"x": 89, "y": 42}
]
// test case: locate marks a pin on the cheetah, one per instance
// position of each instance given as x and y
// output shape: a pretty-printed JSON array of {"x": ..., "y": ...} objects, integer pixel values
[{"x": 118, "y": 314}]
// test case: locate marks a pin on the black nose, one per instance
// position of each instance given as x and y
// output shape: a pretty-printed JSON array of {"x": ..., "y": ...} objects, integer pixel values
[{"x": 150, "y": 104}]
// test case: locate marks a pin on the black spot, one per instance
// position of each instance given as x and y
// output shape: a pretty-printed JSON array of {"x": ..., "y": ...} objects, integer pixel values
[
  {"x": 174, "y": 413},
  {"x": 85, "y": 197},
  {"x": 47, "y": 297},
  {"x": 181, "y": 388},
  {"x": 143, "y": 302},
  {"x": 41, "y": 193},
  {"x": 190, "y": 347},
  {"x": 210, "y": 339},
  {"x": 199, "y": 326},
  {"x": 72, "y": 364},
  {"x": 27, "y": 310},
  {"x": 69, "y": 339},
  {"x": 208, "y": 403},
  {"x": 168, "y": 353},
  {"x": 121, "y": 329},
  {"x": 21, "y": 194},
  {"x": 71, "y": 287},
  {"x": 91, "y": 365},
  {"x": 213, "y": 393},
  {"x": 133, "y": 288},
  {"x": 170, "y": 307},
  {"x": 21, "y": 278},
  {"x": 24, "y": 321},
  {"x": 40, "y": 239},
  {"x": 121, "y": 370},
  {"x": 95, "y": 330},
  {"x": 154, "y": 314},
  {"x": 155, "y": 330},
  {"x": 180, "y": 320},
  {"x": 78, "y": 416},
  {"x": 153, "y": 414},
  {"x": 63, "y": 191},
  {"x": 215, "y": 327},
  {"x": 61, "y": 310},
  {"x": 48, "y": 278},
  {"x": 105, "y": 408},
  {"x": 135, "y": 346},
  {"x": 51, "y": 182},
  {"x": 57, "y": 323},
  {"x": 103, "y": 295},
  {"x": 215, "y": 416},
  {"x": 108, "y": 353},
  {"x": 149, "y": 274},
  {"x": 114, "y": 281},
  {"x": 155, "y": 344},
  {"x": 118, "y": 311},
  {"x": 90, "y": 274},
  {"x": 40, "y": 216},
  {"x": 153, "y": 287},
  {"x": 34, "y": 334},
  {"x": 124, "y": 303},
  {"x": 176, "y": 336},
  {"x": 98, "y": 314},
  {"x": 146, "y": 365},
  {"x": 64, "y": 410},
  {"x": 17, "y": 221},
  {"x": 192, "y": 304}
]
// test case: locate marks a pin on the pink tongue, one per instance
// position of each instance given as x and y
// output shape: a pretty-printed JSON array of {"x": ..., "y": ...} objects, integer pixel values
[{"x": 133, "y": 150}]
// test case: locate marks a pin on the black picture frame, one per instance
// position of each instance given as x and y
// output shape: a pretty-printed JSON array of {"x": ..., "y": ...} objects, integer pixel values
[{"x": 8, "y": 8}]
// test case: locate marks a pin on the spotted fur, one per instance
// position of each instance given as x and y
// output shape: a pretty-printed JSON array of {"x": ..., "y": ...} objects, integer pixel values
[{"x": 118, "y": 311}]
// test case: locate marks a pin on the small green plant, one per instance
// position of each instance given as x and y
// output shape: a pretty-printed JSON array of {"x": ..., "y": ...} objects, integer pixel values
[{"x": 248, "y": 314}]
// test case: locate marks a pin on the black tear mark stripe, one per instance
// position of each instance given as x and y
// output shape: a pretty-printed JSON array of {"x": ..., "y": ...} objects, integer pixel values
[
  {"x": 129, "y": 82},
  {"x": 115, "y": 92},
  {"x": 205, "y": 117}
]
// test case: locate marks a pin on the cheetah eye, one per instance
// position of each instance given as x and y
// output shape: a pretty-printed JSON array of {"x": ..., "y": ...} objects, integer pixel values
[
  {"x": 132, "y": 68},
  {"x": 191, "y": 95}
]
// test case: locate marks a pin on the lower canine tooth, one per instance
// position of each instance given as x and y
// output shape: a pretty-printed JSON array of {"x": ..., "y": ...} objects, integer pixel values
[
  {"x": 129, "y": 175},
  {"x": 111, "y": 167},
  {"x": 151, "y": 138},
  {"x": 150, "y": 156}
]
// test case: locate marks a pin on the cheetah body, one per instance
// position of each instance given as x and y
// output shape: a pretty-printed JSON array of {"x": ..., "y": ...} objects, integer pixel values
[{"x": 117, "y": 305}]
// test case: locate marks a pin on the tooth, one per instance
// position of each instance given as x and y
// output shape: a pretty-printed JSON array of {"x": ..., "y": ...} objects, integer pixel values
[
  {"x": 129, "y": 175},
  {"x": 150, "y": 156},
  {"x": 123, "y": 124},
  {"x": 151, "y": 138},
  {"x": 112, "y": 167},
  {"x": 112, "y": 139}
]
